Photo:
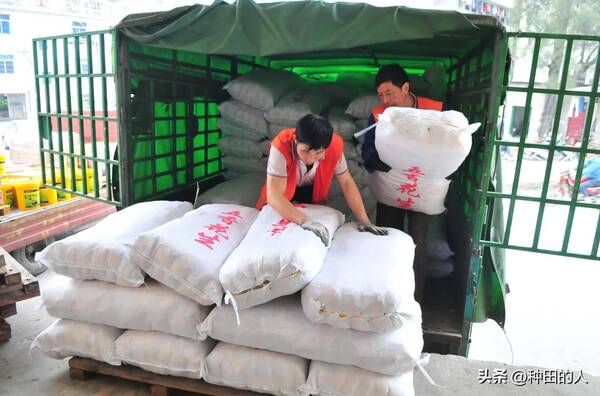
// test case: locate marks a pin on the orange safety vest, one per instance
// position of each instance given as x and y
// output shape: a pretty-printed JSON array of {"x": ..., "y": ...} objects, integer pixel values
[
  {"x": 422, "y": 103},
  {"x": 284, "y": 142}
]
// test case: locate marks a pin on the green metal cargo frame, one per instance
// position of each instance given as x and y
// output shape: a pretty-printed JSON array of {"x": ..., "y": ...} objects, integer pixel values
[{"x": 167, "y": 134}]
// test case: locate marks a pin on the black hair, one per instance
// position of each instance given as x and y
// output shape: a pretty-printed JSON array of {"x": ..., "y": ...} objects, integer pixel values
[
  {"x": 391, "y": 73},
  {"x": 315, "y": 131}
]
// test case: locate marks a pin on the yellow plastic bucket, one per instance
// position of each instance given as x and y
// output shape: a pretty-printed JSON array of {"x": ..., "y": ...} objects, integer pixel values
[
  {"x": 48, "y": 196},
  {"x": 8, "y": 193},
  {"x": 28, "y": 194},
  {"x": 61, "y": 195},
  {"x": 2, "y": 164},
  {"x": 89, "y": 176}
]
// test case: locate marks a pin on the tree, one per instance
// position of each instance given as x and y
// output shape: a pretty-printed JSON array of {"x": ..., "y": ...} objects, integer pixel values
[{"x": 559, "y": 16}]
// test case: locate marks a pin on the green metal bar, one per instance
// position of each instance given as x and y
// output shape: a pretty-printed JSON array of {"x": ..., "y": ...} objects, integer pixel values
[
  {"x": 105, "y": 114},
  {"x": 553, "y": 91},
  {"x": 125, "y": 143},
  {"x": 48, "y": 109},
  {"x": 160, "y": 174},
  {"x": 73, "y": 75},
  {"x": 189, "y": 141},
  {"x": 577, "y": 37},
  {"x": 174, "y": 123},
  {"x": 146, "y": 138},
  {"x": 61, "y": 161},
  {"x": 153, "y": 138},
  {"x": 81, "y": 118},
  {"x": 546, "y": 146},
  {"x": 549, "y": 161},
  {"x": 524, "y": 134},
  {"x": 596, "y": 239},
  {"x": 538, "y": 250},
  {"x": 86, "y": 196},
  {"x": 92, "y": 125},
  {"x": 537, "y": 199},
  {"x": 69, "y": 106},
  {"x": 156, "y": 59},
  {"x": 584, "y": 144},
  {"x": 72, "y": 35},
  {"x": 81, "y": 157},
  {"x": 39, "y": 110},
  {"x": 476, "y": 260}
]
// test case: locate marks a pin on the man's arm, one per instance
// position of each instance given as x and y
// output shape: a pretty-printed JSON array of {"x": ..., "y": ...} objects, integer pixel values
[
  {"x": 277, "y": 200},
  {"x": 369, "y": 153},
  {"x": 355, "y": 202}
]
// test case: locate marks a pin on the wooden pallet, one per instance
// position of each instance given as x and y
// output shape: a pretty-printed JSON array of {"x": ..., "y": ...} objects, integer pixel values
[
  {"x": 16, "y": 284},
  {"x": 160, "y": 385}
]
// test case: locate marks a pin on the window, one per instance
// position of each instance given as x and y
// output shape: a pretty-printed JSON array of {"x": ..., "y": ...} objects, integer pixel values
[
  {"x": 79, "y": 27},
  {"x": 93, "y": 6},
  {"x": 13, "y": 106},
  {"x": 6, "y": 64},
  {"x": 4, "y": 24}
]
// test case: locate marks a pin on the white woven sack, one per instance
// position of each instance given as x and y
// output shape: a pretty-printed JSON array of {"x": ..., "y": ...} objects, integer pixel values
[
  {"x": 152, "y": 307},
  {"x": 377, "y": 295},
  {"x": 350, "y": 151},
  {"x": 297, "y": 103},
  {"x": 256, "y": 370},
  {"x": 326, "y": 379},
  {"x": 65, "y": 338},
  {"x": 342, "y": 123},
  {"x": 232, "y": 129},
  {"x": 358, "y": 172},
  {"x": 163, "y": 353},
  {"x": 397, "y": 188},
  {"x": 281, "y": 326},
  {"x": 243, "y": 148},
  {"x": 241, "y": 190},
  {"x": 244, "y": 116},
  {"x": 261, "y": 88},
  {"x": 276, "y": 257},
  {"x": 361, "y": 123},
  {"x": 437, "y": 142},
  {"x": 361, "y": 106},
  {"x": 101, "y": 252},
  {"x": 274, "y": 129},
  {"x": 186, "y": 254},
  {"x": 245, "y": 165}
]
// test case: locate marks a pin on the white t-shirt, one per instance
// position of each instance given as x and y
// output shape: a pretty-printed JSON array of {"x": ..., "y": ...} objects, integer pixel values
[{"x": 276, "y": 167}]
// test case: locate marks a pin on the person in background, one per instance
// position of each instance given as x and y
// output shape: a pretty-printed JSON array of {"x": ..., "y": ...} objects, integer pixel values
[
  {"x": 393, "y": 89},
  {"x": 301, "y": 166}
]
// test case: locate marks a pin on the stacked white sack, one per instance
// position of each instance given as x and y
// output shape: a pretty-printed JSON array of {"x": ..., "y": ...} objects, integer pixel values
[
  {"x": 422, "y": 147},
  {"x": 367, "y": 283},
  {"x": 101, "y": 252},
  {"x": 242, "y": 190},
  {"x": 326, "y": 379},
  {"x": 186, "y": 254},
  {"x": 256, "y": 370},
  {"x": 65, "y": 338},
  {"x": 163, "y": 353},
  {"x": 153, "y": 307},
  {"x": 281, "y": 326},
  {"x": 295, "y": 104},
  {"x": 276, "y": 257}
]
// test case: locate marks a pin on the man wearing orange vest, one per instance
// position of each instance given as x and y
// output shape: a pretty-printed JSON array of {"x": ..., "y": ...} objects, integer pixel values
[
  {"x": 302, "y": 163},
  {"x": 393, "y": 89}
]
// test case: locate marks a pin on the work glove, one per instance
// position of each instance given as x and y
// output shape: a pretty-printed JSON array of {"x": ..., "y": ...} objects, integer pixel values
[
  {"x": 378, "y": 165},
  {"x": 318, "y": 229},
  {"x": 367, "y": 226}
]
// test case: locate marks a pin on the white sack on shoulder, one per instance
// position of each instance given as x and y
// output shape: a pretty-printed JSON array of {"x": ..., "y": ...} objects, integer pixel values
[
  {"x": 408, "y": 189},
  {"x": 256, "y": 370},
  {"x": 281, "y": 326},
  {"x": 101, "y": 252},
  {"x": 186, "y": 254},
  {"x": 276, "y": 257},
  {"x": 437, "y": 142},
  {"x": 326, "y": 379},
  {"x": 152, "y": 307},
  {"x": 65, "y": 338},
  {"x": 367, "y": 282},
  {"x": 163, "y": 353}
]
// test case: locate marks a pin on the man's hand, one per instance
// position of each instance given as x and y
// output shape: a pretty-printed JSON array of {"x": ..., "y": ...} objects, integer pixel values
[
  {"x": 367, "y": 226},
  {"x": 318, "y": 229},
  {"x": 378, "y": 165}
]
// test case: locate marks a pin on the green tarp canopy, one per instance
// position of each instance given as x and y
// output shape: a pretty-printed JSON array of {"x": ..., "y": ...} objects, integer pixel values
[{"x": 247, "y": 28}]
